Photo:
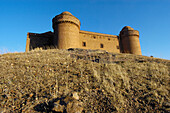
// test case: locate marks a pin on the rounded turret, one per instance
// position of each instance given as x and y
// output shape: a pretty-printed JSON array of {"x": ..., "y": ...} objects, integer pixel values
[
  {"x": 129, "y": 41},
  {"x": 66, "y": 30}
]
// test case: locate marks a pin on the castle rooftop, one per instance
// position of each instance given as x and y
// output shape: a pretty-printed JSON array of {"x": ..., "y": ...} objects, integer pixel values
[
  {"x": 127, "y": 28},
  {"x": 66, "y": 12}
]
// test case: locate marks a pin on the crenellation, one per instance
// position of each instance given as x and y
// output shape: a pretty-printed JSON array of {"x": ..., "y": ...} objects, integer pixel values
[{"x": 67, "y": 34}]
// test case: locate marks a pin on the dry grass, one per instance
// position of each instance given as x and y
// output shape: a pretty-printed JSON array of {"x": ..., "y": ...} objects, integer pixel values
[{"x": 105, "y": 82}]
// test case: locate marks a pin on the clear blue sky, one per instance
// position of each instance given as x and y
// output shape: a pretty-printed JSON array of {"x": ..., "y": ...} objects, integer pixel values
[{"x": 150, "y": 17}]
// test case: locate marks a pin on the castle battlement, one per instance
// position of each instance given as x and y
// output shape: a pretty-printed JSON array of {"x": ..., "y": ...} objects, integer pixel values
[{"x": 67, "y": 34}]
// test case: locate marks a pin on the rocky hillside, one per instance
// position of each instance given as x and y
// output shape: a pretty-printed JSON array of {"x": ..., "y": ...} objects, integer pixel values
[{"x": 78, "y": 80}]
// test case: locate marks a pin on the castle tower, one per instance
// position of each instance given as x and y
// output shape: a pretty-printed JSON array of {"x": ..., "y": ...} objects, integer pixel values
[
  {"x": 129, "y": 41},
  {"x": 66, "y": 31}
]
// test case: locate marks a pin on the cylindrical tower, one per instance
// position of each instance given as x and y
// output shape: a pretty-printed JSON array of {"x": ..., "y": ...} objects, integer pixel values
[
  {"x": 66, "y": 30},
  {"x": 129, "y": 41}
]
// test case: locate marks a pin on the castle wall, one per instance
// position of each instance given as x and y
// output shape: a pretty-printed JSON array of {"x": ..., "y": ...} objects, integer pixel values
[
  {"x": 129, "y": 39},
  {"x": 27, "y": 43},
  {"x": 92, "y": 40},
  {"x": 66, "y": 31},
  {"x": 135, "y": 45},
  {"x": 131, "y": 45},
  {"x": 42, "y": 41},
  {"x": 67, "y": 35}
]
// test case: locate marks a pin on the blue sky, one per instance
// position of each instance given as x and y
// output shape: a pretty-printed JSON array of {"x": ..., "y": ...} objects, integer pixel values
[{"x": 150, "y": 17}]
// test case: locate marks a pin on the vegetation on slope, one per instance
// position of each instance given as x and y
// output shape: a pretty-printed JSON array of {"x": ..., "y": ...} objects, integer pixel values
[{"x": 104, "y": 82}]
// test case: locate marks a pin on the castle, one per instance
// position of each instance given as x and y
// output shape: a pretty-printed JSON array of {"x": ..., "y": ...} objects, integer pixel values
[{"x": 67, "y": 34}]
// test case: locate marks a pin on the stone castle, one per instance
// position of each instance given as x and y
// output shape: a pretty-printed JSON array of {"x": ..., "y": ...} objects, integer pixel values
[{"x": 67, "y": 34}]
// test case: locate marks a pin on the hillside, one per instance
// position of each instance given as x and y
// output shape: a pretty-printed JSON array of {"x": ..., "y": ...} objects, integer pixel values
[{"x": 83, "y": 81}]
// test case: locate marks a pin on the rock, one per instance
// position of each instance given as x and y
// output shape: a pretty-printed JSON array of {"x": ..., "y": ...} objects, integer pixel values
[
  {"x": 68, "y": 99},
  {"x": 58, "y": 107},
  {"x": 75, "y": 95},
  {"x": 31, "y": 95},
  {"x": 74, "y": 107}
]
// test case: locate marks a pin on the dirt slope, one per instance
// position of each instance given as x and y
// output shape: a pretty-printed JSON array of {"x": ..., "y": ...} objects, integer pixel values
[{"x": 47, "y": 81}]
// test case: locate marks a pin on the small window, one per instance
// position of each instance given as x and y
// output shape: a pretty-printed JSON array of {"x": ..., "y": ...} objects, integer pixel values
[
  {"x": 84, "y": 44},
  {"x": 94, "y": 37},
  {"x": 101, "y": 46},
  {"x": 108, "y": 38},
  {"x": 118, "y": 47}
]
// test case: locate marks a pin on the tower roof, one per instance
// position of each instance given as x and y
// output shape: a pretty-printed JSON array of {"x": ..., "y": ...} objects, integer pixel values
[
  {"x": 127, "y": 28},
  {"x": 66, "y": 12}
]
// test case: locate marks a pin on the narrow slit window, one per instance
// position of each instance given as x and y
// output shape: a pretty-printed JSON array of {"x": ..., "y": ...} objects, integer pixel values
[
  {"x": 84, "y": 44},
  {"x": 101, "y": 46}
]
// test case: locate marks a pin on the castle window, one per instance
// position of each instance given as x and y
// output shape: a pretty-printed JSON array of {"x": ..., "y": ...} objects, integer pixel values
[
  {"x": 118, "y": 47},
  {"x": 108, "y": 38},
  {"x": 101, "y": 46},
  {"x": 94, "y": 37},
  {"x": 84, "y": 44}
]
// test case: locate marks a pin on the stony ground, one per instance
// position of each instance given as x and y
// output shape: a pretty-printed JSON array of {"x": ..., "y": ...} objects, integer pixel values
[{"x": 83, "y": 81}]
